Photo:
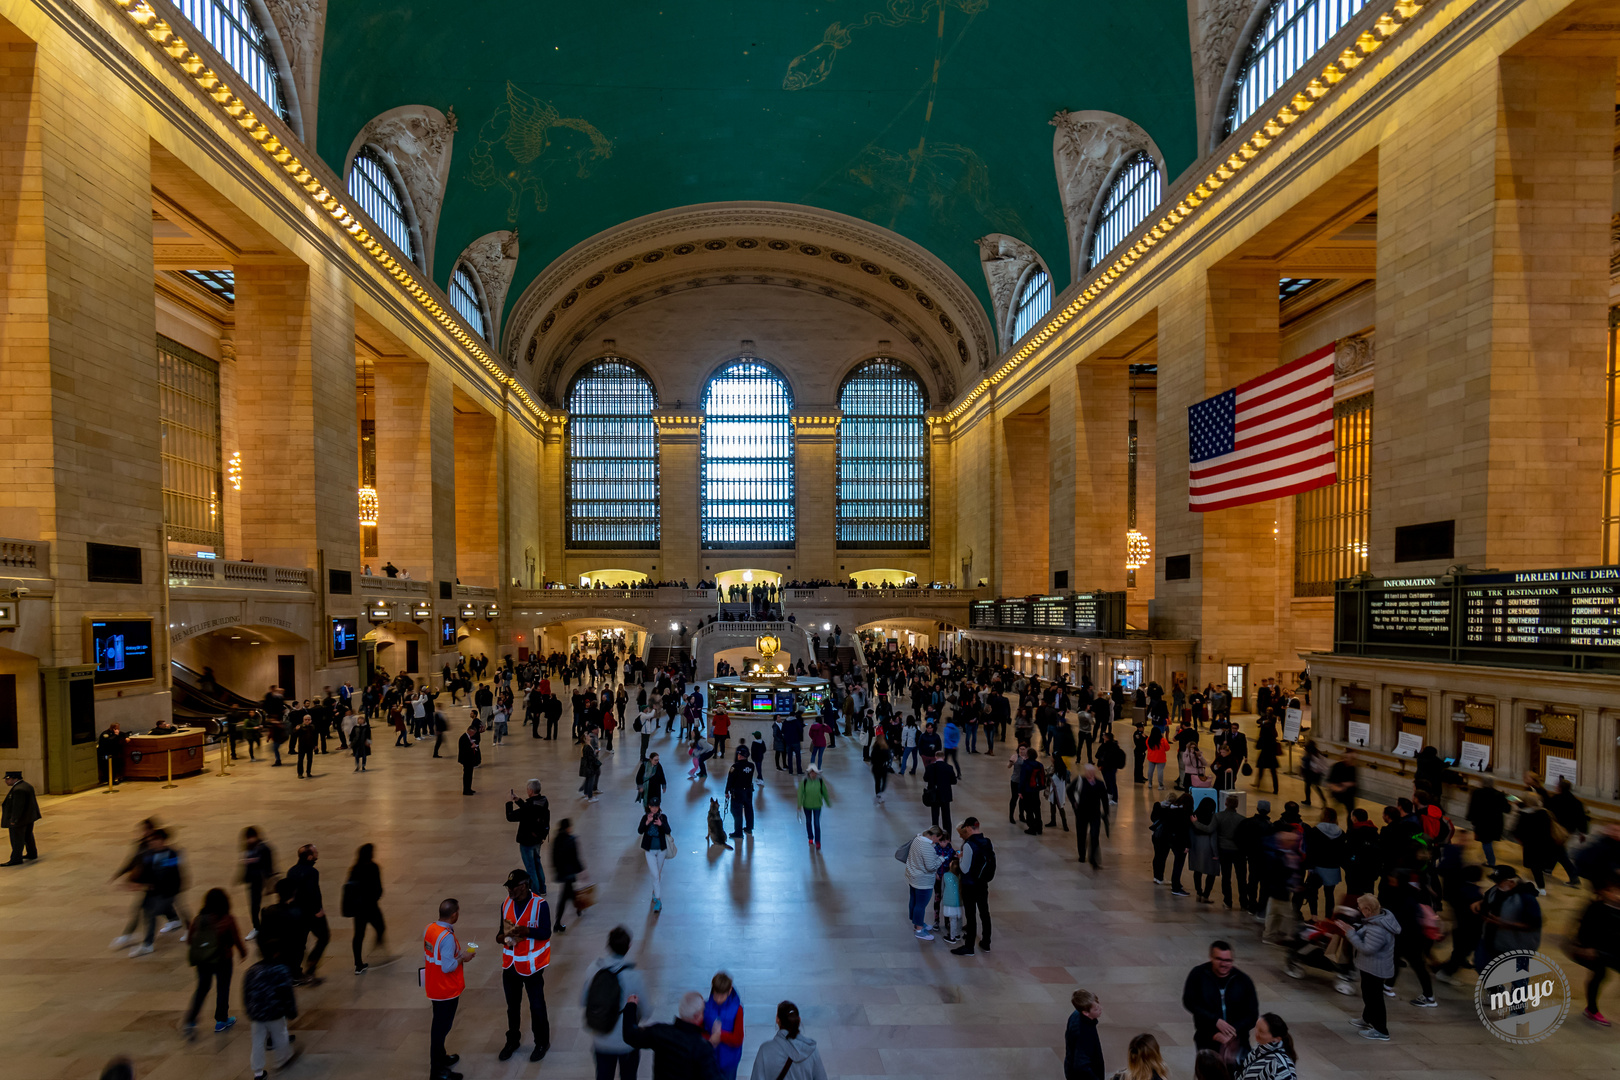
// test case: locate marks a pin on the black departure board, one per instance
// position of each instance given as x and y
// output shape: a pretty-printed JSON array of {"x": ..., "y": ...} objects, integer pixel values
[
  {"x": 1052, "y": 612},
  {"x": 1089, "y": 610},
  {"x": 1012, "y": 612},
  {"x": 1567, "y": 610},
  {"x": 1410, "y": 611},
  {"x": 1567, "y": 618},
  {"x": 983, "y": 613}
]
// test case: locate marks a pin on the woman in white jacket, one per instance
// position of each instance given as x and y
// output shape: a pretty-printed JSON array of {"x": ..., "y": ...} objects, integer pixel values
[
  {"x": 922, "y": 863},
  {"x": 789, "y": 1056}
]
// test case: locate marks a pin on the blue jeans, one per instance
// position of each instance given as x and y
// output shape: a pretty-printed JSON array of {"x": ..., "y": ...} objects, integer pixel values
[
  {"x": 812, "y": 824},
  {"x": 1152, "y": 768},
  {"x": 919, "y": 907},
  {"x": 908, "y": 753},
  {"x": 815, "y": 755},
  {"x": 531, "y": 863},
  {"x": 1490, "y": 851},
  {"x": 973, "y": 739}
]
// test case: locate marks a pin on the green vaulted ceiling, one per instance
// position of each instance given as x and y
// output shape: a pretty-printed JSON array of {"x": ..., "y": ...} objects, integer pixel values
[{"x": 928, "y": 117}]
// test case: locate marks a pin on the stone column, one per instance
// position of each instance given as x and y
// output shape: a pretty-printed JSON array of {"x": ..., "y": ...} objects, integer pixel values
[
  {"x": 679, "y": 448},
  {"x": 416, "y": 470},
  {"x": 1024, "y": 491},
  {"x": 815, "y": 469},
  {"x": 1089, "y": 444},
  {"x": 549, "y": 480},
  {"x": 477, "y": 469},
  {"x": 1493, "y": 284}
]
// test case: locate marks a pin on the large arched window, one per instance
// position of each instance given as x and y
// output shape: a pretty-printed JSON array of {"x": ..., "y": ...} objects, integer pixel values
[
  {"x": 372, "y": 183},
  {"x": 1293, "y": 31},
  {"x": 236, "y": 35},
  {"x": 883, "y": 457},
  {"x": 1137, "y": 189},
  {"x": 1034, "y": 301},
  {"x": 468, "y": 299},
  {"x": 747, "y": 477},
  {"x": 612, "y": 457}
]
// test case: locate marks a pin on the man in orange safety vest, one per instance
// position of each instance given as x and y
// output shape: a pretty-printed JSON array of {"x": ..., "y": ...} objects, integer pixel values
[
  {"x": 525, "y": 939},
  {"x": 444, "y": 980}
]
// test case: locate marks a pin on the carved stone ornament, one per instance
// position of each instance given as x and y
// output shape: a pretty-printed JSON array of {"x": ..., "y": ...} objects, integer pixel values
[
  {"x": 301, "y": 26},
  {"x": 1217, "y": 29},
  {"x": 1087, "y": 150},
  {"x": 1005, "y": 260},
  {"x": 1352, "y": 355},
  {"x": 1614, "y": 248},
  {"x": 493, "y": 257},
  {"x": 417, "y": 138}
]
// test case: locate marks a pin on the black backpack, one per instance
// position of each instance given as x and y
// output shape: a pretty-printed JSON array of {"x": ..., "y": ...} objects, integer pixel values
[
  {"x": 602, "y": 999},
  {"x": 984, "y": 860}
]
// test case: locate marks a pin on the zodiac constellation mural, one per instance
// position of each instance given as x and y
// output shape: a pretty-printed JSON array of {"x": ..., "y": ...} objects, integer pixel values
[
  {"x": 945, "y": 179},
  {"x": 532, "y": 138},
  {"x": 814, "y": 66}
]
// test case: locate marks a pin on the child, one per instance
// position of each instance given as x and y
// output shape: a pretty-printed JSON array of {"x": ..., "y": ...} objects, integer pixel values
[
  {"x": 267, "y": 992},
  {"x": 947, "y": 857},
  {"x": 696, "y": 751},
  {"x": 950, "y": 891}
]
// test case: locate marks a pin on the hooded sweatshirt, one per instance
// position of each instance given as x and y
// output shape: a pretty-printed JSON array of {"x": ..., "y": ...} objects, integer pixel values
[
  {"x": 1374, "y": 940},
  {"x": 781, "y": 1050}
]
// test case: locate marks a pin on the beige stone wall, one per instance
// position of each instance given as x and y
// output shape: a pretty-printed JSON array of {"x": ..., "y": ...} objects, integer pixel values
[
  {"x": 477, "y": 485},
  {"x": 1023, "y": 525}
]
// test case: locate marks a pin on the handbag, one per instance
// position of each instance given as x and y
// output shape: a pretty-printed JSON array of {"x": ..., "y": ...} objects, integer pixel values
[
  {"x": 903, "y": 852},
  {"x": 928, "y": 796},
  {"x": 1337, "y": 950},
  {"x": 669, "y": 848},
  {"x": 1248, "y": 770},
  {"x": 584, "y": 896}
]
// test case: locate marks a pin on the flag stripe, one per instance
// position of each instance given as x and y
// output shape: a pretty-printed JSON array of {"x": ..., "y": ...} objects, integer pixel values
[{"x": 1272, "y": 437}]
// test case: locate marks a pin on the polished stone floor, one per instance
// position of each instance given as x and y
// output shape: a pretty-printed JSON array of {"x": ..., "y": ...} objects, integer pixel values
[{"x": 827, "y": 930}]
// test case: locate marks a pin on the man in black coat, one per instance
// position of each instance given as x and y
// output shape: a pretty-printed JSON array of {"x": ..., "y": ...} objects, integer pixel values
[
  {"x": 308, "y": 913},
  {"x": 740, "y": 793},
  {"x": 1222, "y": 1001},
  {"x": 681, "y": 1051},
  {"x": 1082, "y": 1049},
  {"x": 1251, "y": 841},
  {"x": 20, "y": 810},
  {"x": 469, "y": 756},
  {"x": 533, "y": 818}
]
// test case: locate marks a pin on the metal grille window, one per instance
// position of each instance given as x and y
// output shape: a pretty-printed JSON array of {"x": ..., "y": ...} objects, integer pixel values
[
  {"x": 1034, "y": 301},
  {"x": 1293, "y": 32},
  {"x": 883, "y": 457},
  {"x": 1331, "y": 523},
  {"x": 1290, "y": 287},
  {"x": 466, "y": 298},
  {"x": 747, "y": 473},
  {"x": 612, "y": 458},
  {"x": 1136, "y": 191},
  {"x": 236, "y": 35},
  {"x": 188, "y": 389},
  {"x": 222, "y": 283},
  {"x": 372, "y": 183}
]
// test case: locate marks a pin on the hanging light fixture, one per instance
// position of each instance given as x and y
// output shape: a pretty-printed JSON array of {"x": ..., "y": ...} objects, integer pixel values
[
  {"x": 370, "y": 506},
  {"x": 233, "y": 470},
  {"x": 1138, "y": 551}
]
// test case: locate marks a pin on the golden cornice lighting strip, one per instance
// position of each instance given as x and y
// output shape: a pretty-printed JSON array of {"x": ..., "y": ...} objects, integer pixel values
[
  {"x": 1388, "y": 25},
  {"x": 236, "y": 109}
]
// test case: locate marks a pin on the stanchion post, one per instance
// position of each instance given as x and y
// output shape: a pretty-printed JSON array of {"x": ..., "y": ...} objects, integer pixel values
[
  {"x": 224, "y": 754},
  {"x": 168, "y": 757},
  {"x": 110, "y": 789}
]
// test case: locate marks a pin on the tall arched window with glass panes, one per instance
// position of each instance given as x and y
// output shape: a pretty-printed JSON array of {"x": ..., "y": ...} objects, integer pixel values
[
  {"x": 1136, "y": 190},
  {"x": 1291, "y": 33},
  {"x": 234, "y": 32},
  {"x": 1034, "y": 301},
  {"x": 612, "y": 457},
  {"x": 883, "y": 458},
  {"x": 746, "y": 480},
  {"x": 374, "y": 186}
]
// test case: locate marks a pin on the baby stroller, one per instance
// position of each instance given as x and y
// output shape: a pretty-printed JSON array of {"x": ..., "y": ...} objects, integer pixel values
[{"x": 1323, "y": 944}]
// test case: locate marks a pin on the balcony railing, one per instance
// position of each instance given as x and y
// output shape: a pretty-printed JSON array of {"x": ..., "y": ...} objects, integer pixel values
[
  {"x": 25, "y": 558},
  {"x": 390, "y": 586},
  {"x": 474, "y": 592},
  {"x": 188, "y": 572}
]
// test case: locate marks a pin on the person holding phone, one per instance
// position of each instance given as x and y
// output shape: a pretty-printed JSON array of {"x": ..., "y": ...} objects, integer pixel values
[{"x": 657, "y": 845}]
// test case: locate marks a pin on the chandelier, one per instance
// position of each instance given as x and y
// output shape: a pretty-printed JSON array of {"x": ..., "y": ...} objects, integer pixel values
[
  {"x": 1138, "y": 552},
  {"x": 369, "y": 506}
]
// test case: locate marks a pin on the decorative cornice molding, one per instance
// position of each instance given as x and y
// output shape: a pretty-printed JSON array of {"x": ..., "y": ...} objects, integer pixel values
[
  {"x": 1352, "y": 354},
  {"x": 796, "y": 227}
]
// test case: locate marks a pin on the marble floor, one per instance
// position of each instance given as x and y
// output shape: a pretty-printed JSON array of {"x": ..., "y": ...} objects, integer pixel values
[{"x": 827, "y": 930}]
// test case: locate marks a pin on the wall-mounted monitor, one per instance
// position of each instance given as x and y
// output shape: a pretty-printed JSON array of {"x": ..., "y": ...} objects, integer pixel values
[
  {"x": 345, "y": 638},
  {"x": 121, "y": 650},
  {"x": 447, "y": 632}
]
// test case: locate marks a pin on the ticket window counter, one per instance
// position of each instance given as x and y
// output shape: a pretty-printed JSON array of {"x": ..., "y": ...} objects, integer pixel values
[
  {"x": 1355, "y": 706},
  {"x": 1128, "y": 673},
  {"x": 1479, "y": 729},
  {"x": 1549, "y": 737},
  {"x": 1413, "y": 716}
]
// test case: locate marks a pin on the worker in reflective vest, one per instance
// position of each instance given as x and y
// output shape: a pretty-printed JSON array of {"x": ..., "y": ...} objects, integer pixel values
[
  {"x": 443, "y": 956},
  {"x": 525, "y": 940}
]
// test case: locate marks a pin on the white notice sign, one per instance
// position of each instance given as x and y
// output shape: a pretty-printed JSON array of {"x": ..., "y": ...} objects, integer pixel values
[
  {"x": 1409, "y": 744},
  {"x": 1475, "y": 756},
  {"x": 1558, "y": 768},
  {"x": 1359, "y": 733},
  {"x": 1291, "y": 720}
]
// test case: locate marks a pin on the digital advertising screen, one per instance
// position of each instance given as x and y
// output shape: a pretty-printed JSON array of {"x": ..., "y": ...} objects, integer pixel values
[
  {"x": 447, "y": 632},
  {"x": 763, "y": 701},
  {"x": 121, "y": 649},
  {"x": 345, "y": 638}
]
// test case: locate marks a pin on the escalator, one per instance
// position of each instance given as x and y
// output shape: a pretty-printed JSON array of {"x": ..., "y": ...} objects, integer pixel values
[{"x": 195, "y": 706}]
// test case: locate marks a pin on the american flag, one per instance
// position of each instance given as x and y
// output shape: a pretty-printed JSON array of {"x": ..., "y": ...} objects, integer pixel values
[{"x": 1270, "y": 437}]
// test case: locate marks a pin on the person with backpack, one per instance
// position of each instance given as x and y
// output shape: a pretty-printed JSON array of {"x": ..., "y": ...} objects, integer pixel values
[
  {"x": 268, "y": 997},
  {"x": 977, "y": 862},
  {"x": 609, "y": 983},
  {"x": 813, "y": 797},
  {"x": 162, "y": 873},
  {"x": 1032, "y": 785},
  {"x": 212, "y": 937}
]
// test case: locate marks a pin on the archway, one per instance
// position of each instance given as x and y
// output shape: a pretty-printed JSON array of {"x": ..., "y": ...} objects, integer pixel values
[
  {"x": 237, "y": 663},
  {"x": 613, "y": 579},
  {"x": 884, "y": 578}
]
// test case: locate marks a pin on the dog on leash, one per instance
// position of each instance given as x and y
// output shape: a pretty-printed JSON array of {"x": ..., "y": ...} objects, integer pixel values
[{"x": 717, "y": 825}]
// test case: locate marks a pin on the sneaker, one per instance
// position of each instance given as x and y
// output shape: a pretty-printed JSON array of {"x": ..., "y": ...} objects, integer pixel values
[
  {"x": 251, "y": 934},
  {"x": 952, "y": 940},
  {"x": 1389, "y": 991},
  {"x": 538, "y": 1053},
  {"x": 1596, "y": 1017},
  {"x": 924, "y": 935},
  {"x": 141, "y": 950},
  {"x": 188, "y": 1032},
  {"x": 260, "y": 1075},
  {"x": 224, "y": 1025},
  {"x": 1359, "y": 1024},
  {"x": 963, "y": 950},
  {"x": 121, "y": 940},
  {"x": 1375, "y": 1035},
  {"x": 172, "y": 924},
  {"x": 1425, "y": 1003},
  {"x": 1158, "y": 881},
  {"x": 360, "y": 969},
  {"x": 1179, "y": 892}
]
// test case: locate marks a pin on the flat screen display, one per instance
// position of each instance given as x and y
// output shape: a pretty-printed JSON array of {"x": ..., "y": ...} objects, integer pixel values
[
  {"x": 121, "y": 649},
  {"x": 345, "y": 638},
  {"x": 763, "y": 701},
  {"x": 447, "y": 632}
]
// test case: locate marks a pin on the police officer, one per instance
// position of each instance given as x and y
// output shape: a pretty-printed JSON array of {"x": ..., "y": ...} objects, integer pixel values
[
  {"x": 740, "y": 792},
  {"x": 525, "y": 940}
]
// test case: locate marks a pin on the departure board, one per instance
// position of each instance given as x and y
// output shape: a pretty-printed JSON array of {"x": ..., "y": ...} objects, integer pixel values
[
  {"x": 1053, "y": 612},
  {"x": 1409, "y": 611},
  {"x": 1088, "y": 615},
  {"x": 1567, "y": 610}
]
